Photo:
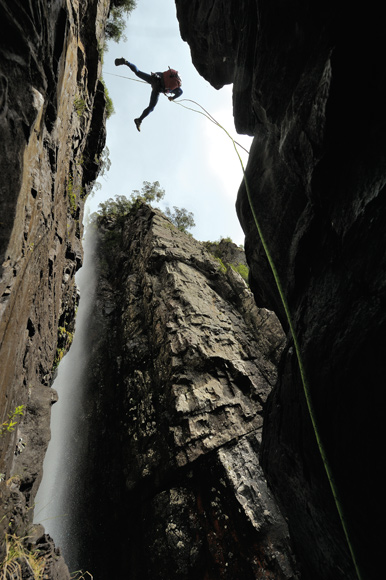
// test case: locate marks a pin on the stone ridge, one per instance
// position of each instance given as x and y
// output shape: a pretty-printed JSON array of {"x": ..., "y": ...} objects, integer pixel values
[
  {"x": 216, "y": 375},
  {"x": 52, "y": 116},
  {"x": 180, "y": 377}
]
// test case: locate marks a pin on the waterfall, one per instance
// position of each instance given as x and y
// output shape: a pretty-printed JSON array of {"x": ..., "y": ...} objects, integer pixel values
[{"x": 58, "y": 504}]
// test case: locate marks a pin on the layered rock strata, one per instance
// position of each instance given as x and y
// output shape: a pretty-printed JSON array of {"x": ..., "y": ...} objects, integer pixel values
[
  {"x": 312, "y": 94},
  {"x": 182, "y": 364},
  {"x": 52, "y": 131}
]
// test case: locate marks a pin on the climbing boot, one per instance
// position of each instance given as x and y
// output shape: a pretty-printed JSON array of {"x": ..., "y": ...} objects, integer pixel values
[
  {"x": 119, "y": 61},
  {"x": 138, "y": 123}
]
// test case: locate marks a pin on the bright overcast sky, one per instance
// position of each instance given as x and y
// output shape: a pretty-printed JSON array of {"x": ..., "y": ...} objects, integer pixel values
[{"x": 194, "y": 160}]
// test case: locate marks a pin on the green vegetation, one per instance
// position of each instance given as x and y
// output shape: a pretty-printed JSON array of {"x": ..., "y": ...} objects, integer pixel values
[
  {"x": 79, "y": 106},
  {"x": 241, "y": 269},
  {"x": 72, "y": 193},
  {"x": 115, "y": 26},
  {"x": 9, "y": 425},
  {"x": 218, "y": 250},
  {"x": 109, "y": 102},
  {"x": 18, "y": 557},
  {"x": 72, "y": 196},
  {"x": 117, "y": 208},
  {"x": 116, "y": 20},
  {"x": 65, "y": 339},
  {"x": 223, "y": 267},
  {"x": 149, "y": 193},
  {"x": 112, "y": 214},
  {"x": 181, "y": 218},
  {"x": 114, "y": 211}
]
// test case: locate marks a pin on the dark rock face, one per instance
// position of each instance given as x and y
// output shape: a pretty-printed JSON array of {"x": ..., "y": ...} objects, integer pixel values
[
  {"x": 181, "y": 370},
  {"x": 227, "y": 251},
  {"x": 313, "y": 94},
  {"x": 51, "y": 125}
]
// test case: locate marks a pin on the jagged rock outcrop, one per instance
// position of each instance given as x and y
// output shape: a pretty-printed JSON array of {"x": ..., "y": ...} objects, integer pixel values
[
  {"x": 227, "y": 251},
  {"x": 182, "y": 364},
  {"x": 51, "y": 130},
  {"x": 309, "y": 84}
]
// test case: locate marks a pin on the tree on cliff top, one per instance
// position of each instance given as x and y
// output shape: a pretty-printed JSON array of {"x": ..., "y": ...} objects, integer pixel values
[
  {"x": 181, "y": 218},
  {"x": 118, "y": 207}
]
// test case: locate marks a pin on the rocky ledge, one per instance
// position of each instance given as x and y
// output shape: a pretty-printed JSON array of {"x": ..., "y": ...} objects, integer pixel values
[
  {"x": 52, "y": 111},
  {"x": 182, "y": 365}
]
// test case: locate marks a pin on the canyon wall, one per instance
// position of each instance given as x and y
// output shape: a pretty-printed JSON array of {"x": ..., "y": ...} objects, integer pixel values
[
  {"x": 181, "y": 364},
  {"x": 52, "y": 113},
  {"x": 186, "y": 362},
  {"x": 309, "y": 84}
]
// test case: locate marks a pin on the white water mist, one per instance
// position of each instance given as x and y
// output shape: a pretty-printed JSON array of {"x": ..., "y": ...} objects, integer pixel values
[{"x": 57, "y": 496}]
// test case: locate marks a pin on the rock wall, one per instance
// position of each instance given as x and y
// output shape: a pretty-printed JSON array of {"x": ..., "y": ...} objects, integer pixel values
[
  {"x": 182, "y": 364},
  {"x": 51, "y": 131},
  {"x": 182, "y": 405},
  {"x": 309, "y": 84}
]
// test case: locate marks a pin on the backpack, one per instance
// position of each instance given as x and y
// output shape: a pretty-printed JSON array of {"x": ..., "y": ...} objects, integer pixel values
[{"x": 171, "y": 79}]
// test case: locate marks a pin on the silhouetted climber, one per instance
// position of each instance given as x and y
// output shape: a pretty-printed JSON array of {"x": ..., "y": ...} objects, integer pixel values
[{"x": 167, "y": 82}]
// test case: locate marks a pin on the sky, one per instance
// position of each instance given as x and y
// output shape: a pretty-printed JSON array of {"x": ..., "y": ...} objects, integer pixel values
[{"x": 193, "y": 159}]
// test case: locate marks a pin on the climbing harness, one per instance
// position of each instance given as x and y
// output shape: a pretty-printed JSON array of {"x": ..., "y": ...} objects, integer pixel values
[{"x": 283, "y": 298}]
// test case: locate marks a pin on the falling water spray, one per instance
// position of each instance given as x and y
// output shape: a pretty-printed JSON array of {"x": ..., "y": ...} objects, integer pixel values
[{"x": 58, "y": 501}]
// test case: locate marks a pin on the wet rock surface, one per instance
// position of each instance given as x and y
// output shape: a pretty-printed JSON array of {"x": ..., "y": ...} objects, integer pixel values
[
  {"x": 177, "y": 391},
  {"x": 51, "y": 126},
  {"x": 313, "y": 98}
]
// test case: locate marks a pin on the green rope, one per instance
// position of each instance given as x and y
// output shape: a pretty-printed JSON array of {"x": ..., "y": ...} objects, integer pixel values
[
  {"x": 303, "y": 376},
  {"x": 212, "y": 119},
  {"x": 304, "y": 379}
]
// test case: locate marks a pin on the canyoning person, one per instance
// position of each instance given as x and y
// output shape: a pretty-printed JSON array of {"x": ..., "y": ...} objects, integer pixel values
[{"x": 167, "y": 82}]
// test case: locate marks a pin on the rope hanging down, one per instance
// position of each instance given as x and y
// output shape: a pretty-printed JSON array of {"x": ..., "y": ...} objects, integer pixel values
[{"x": 303, "y": 376}]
